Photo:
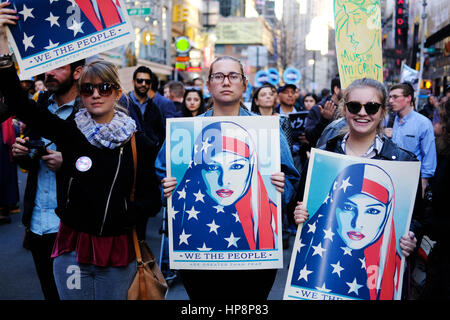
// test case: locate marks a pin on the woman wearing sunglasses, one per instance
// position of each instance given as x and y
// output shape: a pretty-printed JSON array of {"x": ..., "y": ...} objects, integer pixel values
[
  {"x": 93, "y": 251},
  {"x": 364, "y": 107}
]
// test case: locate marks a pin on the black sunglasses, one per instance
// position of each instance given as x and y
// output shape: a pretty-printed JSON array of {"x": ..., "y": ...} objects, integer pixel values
[
  {"x": 370, "y": 107},
  {"x": 104, "y": 89},
  {"x": 147, "y": 81}
]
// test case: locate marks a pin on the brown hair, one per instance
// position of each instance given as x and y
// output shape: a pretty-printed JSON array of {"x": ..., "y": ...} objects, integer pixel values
[
  {"x": 407, "y": 90},
  {"x": 225, "y": 58}
]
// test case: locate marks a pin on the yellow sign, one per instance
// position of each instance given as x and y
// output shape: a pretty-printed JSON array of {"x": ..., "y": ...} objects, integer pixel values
[{"x": 358, "y": 40}]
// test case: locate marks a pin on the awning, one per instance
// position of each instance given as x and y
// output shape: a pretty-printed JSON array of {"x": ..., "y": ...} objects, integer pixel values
[{"x": 438, "y": 36}]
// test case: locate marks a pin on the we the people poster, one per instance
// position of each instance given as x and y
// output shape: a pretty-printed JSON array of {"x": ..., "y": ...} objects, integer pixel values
[
  {"x": 349, "y": 247},
  {"x": 358, "y": 40},
  {"x": 53, "y": 33},
  {"x": 224, "y": 213}
]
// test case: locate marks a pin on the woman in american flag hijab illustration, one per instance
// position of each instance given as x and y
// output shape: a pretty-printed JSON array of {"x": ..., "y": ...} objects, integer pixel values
[
  {"x": 353, "y": 230},
  {"x": 222, "y": 203}
]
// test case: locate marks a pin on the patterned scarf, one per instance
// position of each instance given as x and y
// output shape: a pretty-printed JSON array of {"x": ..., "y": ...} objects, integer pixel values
[{"x": 109, "y": 135}]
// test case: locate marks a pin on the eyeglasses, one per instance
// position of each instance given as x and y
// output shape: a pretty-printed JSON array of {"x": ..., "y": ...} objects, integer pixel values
[
  {"x": 147, "y": 81},
  {"x": 370, "y": 107},
  {"x": 395, "y": 97},
  {"x": 104, "y": 89},
  {"x": 233, "y": 77}
]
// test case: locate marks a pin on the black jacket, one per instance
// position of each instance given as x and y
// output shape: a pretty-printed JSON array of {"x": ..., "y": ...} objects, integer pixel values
[
  {"x": 389, "y": 151},
  {"x": 96, "y": 201}
]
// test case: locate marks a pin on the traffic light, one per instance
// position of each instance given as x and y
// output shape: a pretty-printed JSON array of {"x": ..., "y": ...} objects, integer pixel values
[
  {"x": 426, "y": 84},
  {"x": 179, "y": 13},
  {"x": 148, "y": 38}
]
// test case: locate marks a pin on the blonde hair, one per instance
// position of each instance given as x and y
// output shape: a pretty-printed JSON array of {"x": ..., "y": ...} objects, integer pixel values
[{"x": 365, "y": 83}]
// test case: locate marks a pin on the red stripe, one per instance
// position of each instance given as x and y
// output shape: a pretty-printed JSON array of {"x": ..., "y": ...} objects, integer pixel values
[
  {"x": 375, "y": 190},
  {"x": 236, "y": 146}
]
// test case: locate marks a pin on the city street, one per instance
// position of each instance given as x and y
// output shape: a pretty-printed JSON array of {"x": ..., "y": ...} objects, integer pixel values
[{"x": 18, "y": 278}]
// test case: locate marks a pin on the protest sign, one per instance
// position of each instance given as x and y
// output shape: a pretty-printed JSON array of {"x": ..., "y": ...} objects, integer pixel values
[
  {"x": 224, "y": 213},
  {"x": 349, "y": 247},
  {"x": 51, "y": 34},
  {"x": 358, "y": 40}
]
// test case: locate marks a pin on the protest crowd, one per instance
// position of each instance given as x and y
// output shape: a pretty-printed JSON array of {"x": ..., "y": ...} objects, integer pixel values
[{"x": 77, "y": 118}]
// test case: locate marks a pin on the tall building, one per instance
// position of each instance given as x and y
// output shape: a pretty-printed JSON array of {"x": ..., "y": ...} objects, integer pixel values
[{"x": 232, "y": 8}]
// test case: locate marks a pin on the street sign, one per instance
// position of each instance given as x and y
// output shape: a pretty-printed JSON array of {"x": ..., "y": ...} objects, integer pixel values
[
  {"x": 261, "y": 77},
  {"x": 139, "y": 11},
  {"x": 291, "y": 76},
  {"x": 274, "y": 76},
  {"x": 182, "y": 44}
]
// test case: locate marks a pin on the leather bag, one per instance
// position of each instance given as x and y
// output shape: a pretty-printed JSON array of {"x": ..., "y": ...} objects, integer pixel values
[{"x": 149, "y": 282}]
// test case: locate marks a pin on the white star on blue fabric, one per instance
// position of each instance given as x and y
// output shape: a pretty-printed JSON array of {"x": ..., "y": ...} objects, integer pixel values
[
  {"x": 205, "y": 145},
  {"x": 174, "y": 212},
  {"x": 76, "y": 27},
  {"x": 53, "y": 20},
  {"x": 199, "y": 196},
  {"x": 26, "y": 12},
  {"x": 236, "y": 215},
  {"x": 213, "y": 227},
  {"x": 318, "y": 250},
  {"x": 345, "y": 184},
  {"x": 304, "y": 274},
  {"x": 328, "y": 234},
  {"x": 182, "y": 194},
  {"x": 204, "y": 248},
  {"x": 27, "y": 41},
  {"x": 232, "y": 240},
  {"x": 337, "y": 268},
  {"x": 353, "y": 286},
  {"x": 219, "y": 208},
  {"x": 323, "y": 288},
  {"x": 347, "y": 251},
  {"x": 363, "y": 263},
  {"x": 51, "y": 45},
  {"x": 184, "y": 237},
  {"x": 192, "y": 213},
  {"x": 312, "y": 227}
]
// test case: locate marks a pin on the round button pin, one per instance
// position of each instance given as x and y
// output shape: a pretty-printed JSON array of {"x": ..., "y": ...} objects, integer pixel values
[{"x": 83, "y": 164}]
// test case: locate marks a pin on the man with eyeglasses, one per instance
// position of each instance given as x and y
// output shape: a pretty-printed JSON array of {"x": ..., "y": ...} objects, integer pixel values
[
  {"x": 44, "y": 183},
  {"x": 412, "y": 131}
]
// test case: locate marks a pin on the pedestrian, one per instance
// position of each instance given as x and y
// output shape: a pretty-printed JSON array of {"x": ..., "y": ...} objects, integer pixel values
[
  {"x": 323, "y": 113},
  {"x": 148, "y": 118},
  {"x": 437, "y": 280},
  {"x": 264, "y": 100},
  {"x": 165, "y": 105},
  {"x": 412, "y": 131},
  {"x": 193, "y": 103},
  {"x": 94, "y": 245},
  {"x": 226, "y": 83},
  {"x": 176, "y": 93},
  {"x": 310, "y": 100},
  {"x": 41, "y": 193},
  {"x": 9, "y": 190},
  {"x": 364, "y": 106}
]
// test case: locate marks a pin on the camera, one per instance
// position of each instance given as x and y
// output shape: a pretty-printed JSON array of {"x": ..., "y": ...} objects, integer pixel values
[{"x": 38, "y": 145}]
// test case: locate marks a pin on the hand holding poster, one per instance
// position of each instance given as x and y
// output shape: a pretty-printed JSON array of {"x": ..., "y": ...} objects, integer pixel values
[
  {"x": 349, "y": 248},
  {"x": 358, "y": 40},
  {"x": 52, "y": 33},
  {"x": 224, "y": 213}
]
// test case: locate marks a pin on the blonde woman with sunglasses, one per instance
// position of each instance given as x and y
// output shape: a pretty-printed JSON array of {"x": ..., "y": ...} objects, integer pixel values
[
  {"x": 364, "y": 107},
  {"x": 93, "y": 253}
]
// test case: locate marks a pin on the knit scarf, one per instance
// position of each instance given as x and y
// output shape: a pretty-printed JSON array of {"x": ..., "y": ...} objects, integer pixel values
[{"x": 105, "y": 135}]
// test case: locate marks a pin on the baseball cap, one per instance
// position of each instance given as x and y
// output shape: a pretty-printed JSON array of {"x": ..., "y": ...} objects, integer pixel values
[{"x": 288, "y": 85}]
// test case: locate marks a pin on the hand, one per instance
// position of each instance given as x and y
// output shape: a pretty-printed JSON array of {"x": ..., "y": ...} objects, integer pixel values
[
  {"x": 53, "y": 160},
  {"x": 18, "y": 148},
  {"x": 7, "y": 16},
  {"x": 388, "y": 132},
  {"x": 327, "y": 111},
  {"x": 300, "y": 213},
  {"x": 408, "y": 243},
  {"x": 168, "y": 184},
  {"x": 302, "y": 139},
  {"x": 277, "y": 180}
]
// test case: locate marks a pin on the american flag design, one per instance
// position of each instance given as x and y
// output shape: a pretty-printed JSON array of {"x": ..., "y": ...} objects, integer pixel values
[
  {"x": 231, "y": 211},
  {"x": 51, "y": 32},
  {"x": 332, "y": 261}
]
